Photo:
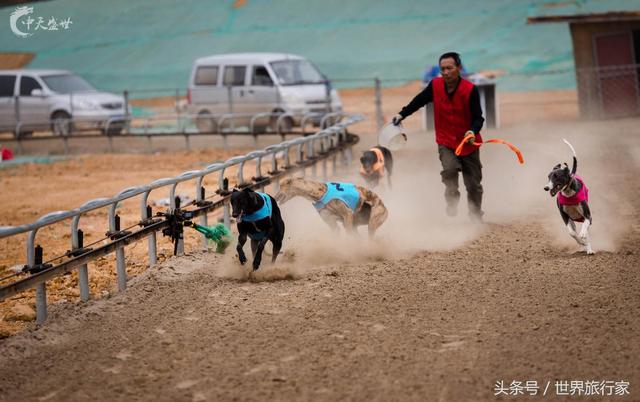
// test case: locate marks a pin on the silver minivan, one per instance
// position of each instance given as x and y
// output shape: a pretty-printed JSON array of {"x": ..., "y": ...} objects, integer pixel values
[
  {"x": 251, "y": 83},
  {"x": 59, "y": 100}
]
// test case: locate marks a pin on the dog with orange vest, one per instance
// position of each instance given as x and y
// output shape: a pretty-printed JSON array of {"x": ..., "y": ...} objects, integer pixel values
[{"x": 375, "y": 164}]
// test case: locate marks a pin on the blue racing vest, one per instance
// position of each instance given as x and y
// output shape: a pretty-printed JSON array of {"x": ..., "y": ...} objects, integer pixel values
[
  {"x": 264, "y": 212},
  {"x": 345, "y": 192}
]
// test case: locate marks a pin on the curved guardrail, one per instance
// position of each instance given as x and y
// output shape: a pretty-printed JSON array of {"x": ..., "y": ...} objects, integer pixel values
[{"x": 319, "y": 147}]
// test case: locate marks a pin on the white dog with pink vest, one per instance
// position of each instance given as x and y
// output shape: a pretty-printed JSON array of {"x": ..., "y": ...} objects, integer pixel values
[{"x": 573, "y": 200}]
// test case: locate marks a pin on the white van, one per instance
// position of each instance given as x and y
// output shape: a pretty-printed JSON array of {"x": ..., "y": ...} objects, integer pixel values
[
  {"x": 251, "y": 83},
  {"x": 50, "y": 99}
]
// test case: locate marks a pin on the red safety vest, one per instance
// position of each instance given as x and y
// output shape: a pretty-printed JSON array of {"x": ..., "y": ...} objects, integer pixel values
[{"x": 452, "y": 117}]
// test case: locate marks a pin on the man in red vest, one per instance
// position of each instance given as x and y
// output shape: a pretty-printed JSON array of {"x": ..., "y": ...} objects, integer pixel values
[{"x": 457, "y": 112}]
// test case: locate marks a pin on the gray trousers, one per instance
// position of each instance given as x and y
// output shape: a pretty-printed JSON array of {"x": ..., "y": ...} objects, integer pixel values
[{"x": 471, "y": 169}]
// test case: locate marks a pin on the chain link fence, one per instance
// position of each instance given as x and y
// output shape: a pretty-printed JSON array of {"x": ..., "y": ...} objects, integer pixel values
[{"x": 609, "y": 92}]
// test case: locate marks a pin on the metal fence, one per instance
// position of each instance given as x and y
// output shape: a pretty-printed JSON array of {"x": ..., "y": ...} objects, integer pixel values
[
  {"x": 610, "y": 91},
  {"x": 307, "y": 151},
  {"x": 181, "y": 125}
]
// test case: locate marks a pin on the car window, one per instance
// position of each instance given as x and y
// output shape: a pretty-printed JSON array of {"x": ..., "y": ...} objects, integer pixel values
[
  {"x": 297, "y": 72},
  {"x": 28, "y": 84},
  {"x": 234, "y": 75},
  {"x": 67, "y": 83},
  {"x": 261, "y": 76},
  {"x": 207, "y": 75},
  {"x": 7, "y": 84}
]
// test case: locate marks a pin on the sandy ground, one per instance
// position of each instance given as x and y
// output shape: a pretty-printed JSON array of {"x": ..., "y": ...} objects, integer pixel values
[{"x": 434, "y": 309}]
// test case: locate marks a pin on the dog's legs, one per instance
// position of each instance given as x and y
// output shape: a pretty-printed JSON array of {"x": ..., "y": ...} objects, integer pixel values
[
  {"x": 584, "y": 230},
  {"x": 584, "y": 236},
  {"x": 587, "y": 247},
  {"x": 379, "y": 214},
  {"x": 347, "y": 222},
  {"x": 571, "y": 228},
  {"x": 254, "y": 247},
  {"x": 277, "y": 245},
  {"x": 330, "y": 219},
  {"x": 257, "y": 258},
  {"x": 242, "y": 238}
]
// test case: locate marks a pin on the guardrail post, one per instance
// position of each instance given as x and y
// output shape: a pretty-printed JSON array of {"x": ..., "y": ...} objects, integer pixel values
[
  {"x": 324, "y": 169},
  {"x": 34, "y": 257},
  {"x": 175, "y": 205},
  {"x": 121, "y": 267},
  {"x": 226, "y": 215},
  {"x": 41, "y": 291},
  {"x": 150, "y": 144},
  {"x": 65, "y": 140},
  {"x": 203, "y": 217},
  {"x": 379, "y": 118},
  {"x": 83, "y": 272},
  {"x": 77, "y": 242},
  {"x": 146, "y": 213},
  {"x": 110, "y": 137},
  {"x": 314, "y": 171},
  {"x": 187, "y": 142},
  {"x": 41, "y": 303},
  {"x": 114, "y": 227},
  {"x": 223, "y": 188}
]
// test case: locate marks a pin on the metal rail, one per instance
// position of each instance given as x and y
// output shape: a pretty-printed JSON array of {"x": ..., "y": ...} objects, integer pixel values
[
  {"x": 226, "y": 124},
  {"x": 320, "y": 146}
]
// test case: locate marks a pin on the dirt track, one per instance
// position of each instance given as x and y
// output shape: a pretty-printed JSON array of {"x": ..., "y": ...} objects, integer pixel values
[{"x": 435, "y": 309}]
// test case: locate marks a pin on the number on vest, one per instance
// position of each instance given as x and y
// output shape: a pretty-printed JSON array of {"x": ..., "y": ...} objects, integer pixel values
[{"x": 337, "y": 186}]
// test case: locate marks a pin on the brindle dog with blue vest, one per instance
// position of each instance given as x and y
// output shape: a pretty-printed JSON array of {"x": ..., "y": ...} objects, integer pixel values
[
  {"x": 258, "y": 217},
  {"x": 338, "y": 202}
]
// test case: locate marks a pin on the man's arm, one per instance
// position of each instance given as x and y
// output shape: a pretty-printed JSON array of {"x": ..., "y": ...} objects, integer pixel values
[
  {"x": 476, "y": 111},
  {"x": 419, "y": 101}
]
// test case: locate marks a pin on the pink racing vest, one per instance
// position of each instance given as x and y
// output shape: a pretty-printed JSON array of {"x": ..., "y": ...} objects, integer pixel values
[{"x": 577, "y": 198}]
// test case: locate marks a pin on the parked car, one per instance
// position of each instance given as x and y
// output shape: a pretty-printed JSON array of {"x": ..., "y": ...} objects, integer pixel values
[
  {"x": 251, "y": 83},
  {"x": 60, "y": 100}
]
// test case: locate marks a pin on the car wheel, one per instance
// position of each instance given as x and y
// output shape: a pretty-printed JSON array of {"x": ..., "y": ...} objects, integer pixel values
[
  {"x": 61, "y": 124},
  {"x": 206, "y": 123}
]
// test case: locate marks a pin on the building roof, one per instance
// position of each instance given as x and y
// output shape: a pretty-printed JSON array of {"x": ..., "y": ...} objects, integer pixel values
[{"x": 591, "y": 17}]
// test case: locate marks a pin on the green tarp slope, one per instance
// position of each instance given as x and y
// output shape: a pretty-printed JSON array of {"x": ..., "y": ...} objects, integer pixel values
[{"x": 146, "y": 45}]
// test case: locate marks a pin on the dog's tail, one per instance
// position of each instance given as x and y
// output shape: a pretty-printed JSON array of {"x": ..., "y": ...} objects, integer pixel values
[{"x": 575, "y": 158}]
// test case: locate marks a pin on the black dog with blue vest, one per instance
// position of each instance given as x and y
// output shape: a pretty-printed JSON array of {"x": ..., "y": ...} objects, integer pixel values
[{"x": 258, "y": 217}]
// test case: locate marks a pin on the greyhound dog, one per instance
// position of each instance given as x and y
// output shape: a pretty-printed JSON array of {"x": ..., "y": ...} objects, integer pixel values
[
  {"x": 375, "y": 163},
  {"x": 573, "y": 200},
  {"x": 258, "y": 217},
  {"x": 345, "y": 202}
]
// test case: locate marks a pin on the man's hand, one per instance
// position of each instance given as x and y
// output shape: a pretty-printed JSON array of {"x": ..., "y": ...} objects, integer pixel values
[
  {"x": 471, "y": 139},
  {"x": 396, "y": 119}
]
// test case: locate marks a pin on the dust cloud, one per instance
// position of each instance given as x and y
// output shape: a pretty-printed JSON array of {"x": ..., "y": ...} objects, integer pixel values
[{"x": 513, "y": 194}]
